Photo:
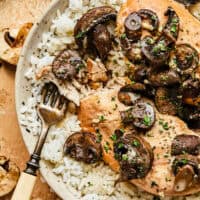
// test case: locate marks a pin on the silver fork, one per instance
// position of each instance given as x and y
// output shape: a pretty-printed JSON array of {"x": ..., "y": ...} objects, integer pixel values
[{"x": 50, "y": 111}]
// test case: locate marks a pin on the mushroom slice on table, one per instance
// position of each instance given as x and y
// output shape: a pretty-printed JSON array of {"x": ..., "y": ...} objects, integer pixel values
[
  {"x": 88, "y": 23},
  {"x": 12, "y": 41},
  {"x": 9, "y": 174},
  {"x": 141, "y": 115},
  {"x": 185, "y": 144},
  {"x": 186, "y": 171},
  {"x": 66, "y": 64},
  {"x": 185, "y": 59},
  {"x": 83, "y": 146},
  {"x": 135, "y": 156}
]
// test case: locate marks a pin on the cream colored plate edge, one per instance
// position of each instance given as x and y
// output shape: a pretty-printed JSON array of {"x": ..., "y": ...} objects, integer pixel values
[{"x": 22, "y": 91}]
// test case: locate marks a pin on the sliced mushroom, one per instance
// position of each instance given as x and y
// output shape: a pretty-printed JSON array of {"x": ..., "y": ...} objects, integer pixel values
[
  {"x": 89, "y": 20},
  {"x": 150, "y": 19},
  {"x": 183, "y": 178},
  {"x": 20, "y": 38},
  {"x": 9, "y": 174},
  {"x": 83, "y": 146},
  {"x": 171, "y": 28},
  {"x": 164, "y": 102},
  {"x": 163, "y": 78},
  {"x": 135, "y": 156},
  {"x": 133, "y": 26},
  {"x": 186, "y": 171},
  {"x": 140, "y": 73},
  {"x": 134, "y": 53},
  {"x": 185, "y": 144},
  {"x": 66, "y": 65},
  {"x": 102, "y": 40},
  {"x": 185, "y": 59},
  {"x": 191, "y": 92},
  {"x": 141, "y": 115},
  {"x": 128, "y": 93},
  {"x": 191, "y": 115},
  {"x": 187, "y": 2},
  {"x": 156, "y": 52}
]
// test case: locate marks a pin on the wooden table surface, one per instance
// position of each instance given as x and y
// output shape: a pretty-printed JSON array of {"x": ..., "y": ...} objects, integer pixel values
[{"x": 11, "y": 142}]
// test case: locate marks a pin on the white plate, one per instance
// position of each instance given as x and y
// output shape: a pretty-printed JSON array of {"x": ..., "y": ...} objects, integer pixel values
[{"x": 23, "y": 91}]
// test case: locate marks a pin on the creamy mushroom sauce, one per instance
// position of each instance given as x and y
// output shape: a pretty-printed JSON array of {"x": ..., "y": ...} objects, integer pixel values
[{"x": 134, "y": 123}]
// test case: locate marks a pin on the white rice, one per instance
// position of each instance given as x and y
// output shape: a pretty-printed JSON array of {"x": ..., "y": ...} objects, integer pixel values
[{"x": 86, "y": 182}]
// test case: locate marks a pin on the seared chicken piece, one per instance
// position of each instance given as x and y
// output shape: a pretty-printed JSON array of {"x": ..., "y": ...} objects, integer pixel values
[{"x": 100, "y": 113}]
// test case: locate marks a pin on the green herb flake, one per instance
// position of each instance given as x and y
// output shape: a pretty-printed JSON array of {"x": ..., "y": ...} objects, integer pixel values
[
  {"x": 80, "y": 35},
  {"x": 124, "y": 157},
  {"x": 90, "y": 184},
  {"x": 153, "y": 184},
  {"x": 146, "y": 120},
  {"x": 123, "y": 36},
  {"x": 101, "y": 118},
  {"x": 120, "y": 145},
  {"x": 136, "y": 143},
  {"x": 122, "y": 130},
  {"x": 184, "y": 161},
  {"x": 113, "y": 98},
  {"x": 113, "y": 137},
  {"x": 106, "y": 147},
  {"x": 164, "y": 125},
  {"x": 173, "y": 29},
  {"x": 99, "y": 138}
]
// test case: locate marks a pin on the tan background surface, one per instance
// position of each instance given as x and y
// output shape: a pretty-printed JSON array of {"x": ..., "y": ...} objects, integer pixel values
[{"x": 11, "y": 142}]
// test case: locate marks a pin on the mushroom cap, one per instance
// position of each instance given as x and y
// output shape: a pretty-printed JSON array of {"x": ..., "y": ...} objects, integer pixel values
[
  {"x": 83, "y": 146},
  {"x": 89, "y": 20},
  {"x": 9, "y": 174}
]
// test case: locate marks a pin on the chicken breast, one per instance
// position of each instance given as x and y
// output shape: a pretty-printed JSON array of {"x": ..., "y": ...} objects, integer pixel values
[{"x": 101, "y": 112}]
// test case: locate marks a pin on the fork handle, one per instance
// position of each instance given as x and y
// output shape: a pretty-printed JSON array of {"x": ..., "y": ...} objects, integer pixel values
[
  {"x": 24, "y": 187},
  {"x": 27, "y": 179}
]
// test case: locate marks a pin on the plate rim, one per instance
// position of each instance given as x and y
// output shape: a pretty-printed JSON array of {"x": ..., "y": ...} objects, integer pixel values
[{"x": 48, "y": 175}]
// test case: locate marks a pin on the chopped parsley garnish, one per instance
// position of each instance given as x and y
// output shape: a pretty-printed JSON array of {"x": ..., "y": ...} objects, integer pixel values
[
  {"x": 122, "y": 130},
  {"x": 153, "y": 183},
  {"x": 101, "y": 118},
  {"x": 123, "y": 36},
  {"x": 164, "y": 125},
  {"x": 184, "y": 161},
  {"x": 120, "y": 145},
  {"x": 113, "y": 98},
  {"x": 113, "y": 137},
  {"x": 124, "y": 157},
  {"x": 136, "y": 143},
  {"x": 173, "y": 29},
  {"x": 99, "y": 137},
  {"x": 79, "y": 67},
  {"x": 174, "y": 20},
  {"x": 132, "y": 82},
  {"x": 90, "y": 184},
  {"x": 80, "y": 35},
  {"x": 115, "y": 107},
  {"x": 147, "y": 120},
  {"x": 106, "y": 147}
]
